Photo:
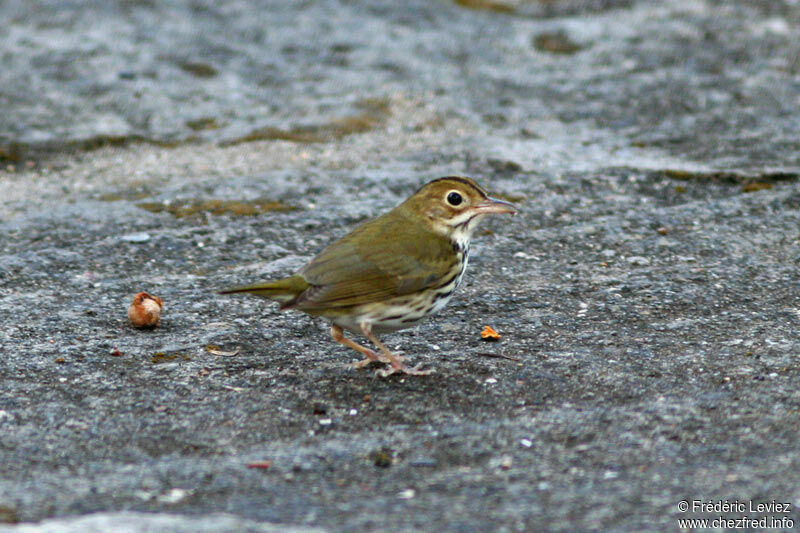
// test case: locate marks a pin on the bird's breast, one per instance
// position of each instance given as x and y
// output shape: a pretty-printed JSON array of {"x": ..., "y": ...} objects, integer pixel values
[
  {"x": 407, "y": 310},
  {"x": 441, "y": 295}
]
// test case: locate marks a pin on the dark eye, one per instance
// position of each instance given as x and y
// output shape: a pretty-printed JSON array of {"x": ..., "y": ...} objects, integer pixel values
[{"x": 454, "y": 198}]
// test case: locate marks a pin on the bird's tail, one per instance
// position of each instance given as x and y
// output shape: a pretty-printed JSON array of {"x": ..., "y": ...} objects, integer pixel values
[{"x": 284, "y": 290}]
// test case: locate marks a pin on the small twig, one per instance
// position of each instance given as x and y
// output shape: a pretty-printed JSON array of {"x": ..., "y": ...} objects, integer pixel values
[
  {"x": 499, "y": 356},
  {"x": 215, "y": 350}
]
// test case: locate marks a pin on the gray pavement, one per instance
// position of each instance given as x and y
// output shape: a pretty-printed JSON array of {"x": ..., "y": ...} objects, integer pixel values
[{"x": 648, "y": 293}]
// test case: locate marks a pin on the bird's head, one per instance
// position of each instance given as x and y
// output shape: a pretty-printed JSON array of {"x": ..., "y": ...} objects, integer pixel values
[{"x": 453, "y": 206}]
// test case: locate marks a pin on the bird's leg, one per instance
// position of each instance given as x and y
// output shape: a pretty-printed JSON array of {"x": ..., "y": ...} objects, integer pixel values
[
  {"x": 395, "y": 360},
  {"x": 338, "y": 335}
]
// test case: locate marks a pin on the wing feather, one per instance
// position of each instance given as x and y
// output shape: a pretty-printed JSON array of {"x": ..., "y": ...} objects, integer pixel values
[{"x": 389, "y": 256}]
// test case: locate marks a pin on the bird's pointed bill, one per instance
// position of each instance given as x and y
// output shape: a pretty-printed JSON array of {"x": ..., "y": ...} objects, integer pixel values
[{"x": 493, "y": 205}]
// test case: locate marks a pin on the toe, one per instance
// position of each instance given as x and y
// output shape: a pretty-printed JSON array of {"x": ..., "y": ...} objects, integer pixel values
[
  {"x": 400, "y": 369},
  {"x": 385, "y": 372},
  {"x": 416, "y": 371}
]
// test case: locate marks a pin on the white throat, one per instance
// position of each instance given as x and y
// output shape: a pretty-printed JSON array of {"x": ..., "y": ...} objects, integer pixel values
[{"x": 463, "y": 226}]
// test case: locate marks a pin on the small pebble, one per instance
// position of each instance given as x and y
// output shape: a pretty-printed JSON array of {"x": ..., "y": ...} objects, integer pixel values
[
  {"x": 173, "y": 496},
  {"x": 263, "y": 465},
  {"x": 638, "y": 261},
  {"x": 382, "y": 458},
  {"x": 136, "y": 237}
]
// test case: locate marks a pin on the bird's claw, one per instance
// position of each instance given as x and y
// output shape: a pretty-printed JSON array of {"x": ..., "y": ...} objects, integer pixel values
[
  {"x": 362, "y": 363},
  {"x": 411, "y": 371},
  {"x": 374, "y": 359}
]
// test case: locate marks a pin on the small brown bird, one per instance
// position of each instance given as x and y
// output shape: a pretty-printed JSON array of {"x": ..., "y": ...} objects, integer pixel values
[{"x": 392, "y": 271}]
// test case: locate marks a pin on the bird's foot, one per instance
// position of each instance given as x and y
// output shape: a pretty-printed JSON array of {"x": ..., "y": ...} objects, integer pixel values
[
  {"x": 371, "y": 357},
  {"x": 374, "y": 357},
  {"x": 402, "y": 369}
]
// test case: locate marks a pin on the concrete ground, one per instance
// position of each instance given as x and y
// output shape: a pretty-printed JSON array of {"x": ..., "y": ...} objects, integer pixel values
[{"x": 647, "y": 294}]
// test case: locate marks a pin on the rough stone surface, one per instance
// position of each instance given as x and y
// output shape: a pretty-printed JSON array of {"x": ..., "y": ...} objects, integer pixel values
[
  {"x": 648, "y": 294},
  {"x": 130, "y": 522}
]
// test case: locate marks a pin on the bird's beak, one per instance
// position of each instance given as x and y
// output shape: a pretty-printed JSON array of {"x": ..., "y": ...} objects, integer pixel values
[{"x": 493, "y": 205}]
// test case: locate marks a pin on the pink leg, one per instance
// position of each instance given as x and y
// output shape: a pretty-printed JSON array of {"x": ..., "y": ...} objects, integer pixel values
[
  {"x": 389, "y": 357},
  {"x": 338, "y": 335}
]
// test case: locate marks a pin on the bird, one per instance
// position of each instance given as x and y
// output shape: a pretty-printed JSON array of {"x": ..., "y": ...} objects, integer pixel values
[{"x": 392, "y": 271}]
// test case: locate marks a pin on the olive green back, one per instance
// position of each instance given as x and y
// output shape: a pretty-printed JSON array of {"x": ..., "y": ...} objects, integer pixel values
[{"x": 393, "y": 255}]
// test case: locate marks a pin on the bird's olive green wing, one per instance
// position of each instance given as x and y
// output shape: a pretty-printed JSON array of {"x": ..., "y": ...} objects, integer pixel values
[{"x": 386, "y": 257}]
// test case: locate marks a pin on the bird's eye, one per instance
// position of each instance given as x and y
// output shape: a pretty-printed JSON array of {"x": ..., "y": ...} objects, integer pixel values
[{"x": 454, "y": 198}]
